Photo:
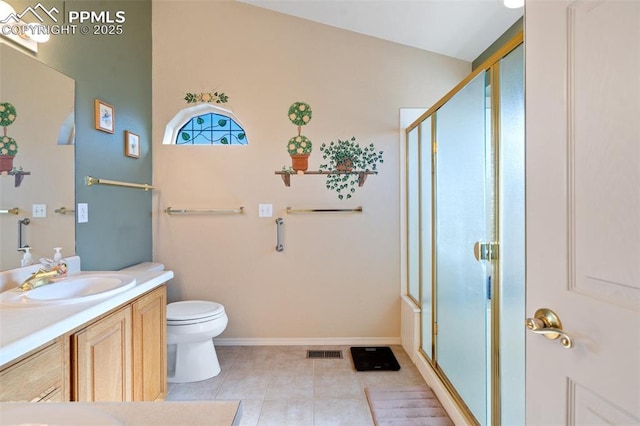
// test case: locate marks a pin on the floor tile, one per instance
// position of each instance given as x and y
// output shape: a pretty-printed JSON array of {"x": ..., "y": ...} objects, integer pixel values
[
  {"x": 244, "y": 384},
  {"x": 337, "y": 412},
  {"x": 250, "y": 412},
  {"x": 278, "y": 385},
  {"x": 337, "y": 385},
  {"x": 287, "y": 413},
  {"x": 290, "y": 386},
  {"x": 204, "y": 390}
]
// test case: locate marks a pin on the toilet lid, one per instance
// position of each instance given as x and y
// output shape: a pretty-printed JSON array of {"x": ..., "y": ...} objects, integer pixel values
[{"x": 193, "y": 309}]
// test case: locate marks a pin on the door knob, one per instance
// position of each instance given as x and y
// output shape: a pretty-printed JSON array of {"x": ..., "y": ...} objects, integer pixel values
[{"x": 547, "y": 323}]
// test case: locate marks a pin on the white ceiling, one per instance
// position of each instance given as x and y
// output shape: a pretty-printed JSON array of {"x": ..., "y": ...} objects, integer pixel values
[{"x": 462, "y": 29}]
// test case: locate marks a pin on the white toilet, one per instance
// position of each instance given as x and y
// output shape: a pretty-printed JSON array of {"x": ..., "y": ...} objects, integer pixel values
[{"x": 191, "y": 327}]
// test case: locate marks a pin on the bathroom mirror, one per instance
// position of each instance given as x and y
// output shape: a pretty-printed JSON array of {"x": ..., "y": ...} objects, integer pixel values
[{"x": 42, "y": 192}]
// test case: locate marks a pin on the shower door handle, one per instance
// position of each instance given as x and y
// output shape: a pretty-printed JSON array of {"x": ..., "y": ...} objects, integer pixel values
[
  {"x": 486, "y": 251},
  {"x": 547, "y": 323}
]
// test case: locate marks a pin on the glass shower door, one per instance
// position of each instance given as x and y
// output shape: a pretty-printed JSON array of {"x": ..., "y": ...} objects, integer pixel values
[
  {"x": 512, "y": 238},
  {"x": 460, "y": 222}
]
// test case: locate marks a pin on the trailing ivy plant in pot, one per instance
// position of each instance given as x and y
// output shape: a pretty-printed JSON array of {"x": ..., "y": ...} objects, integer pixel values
[{"x": 346, "y": 158}]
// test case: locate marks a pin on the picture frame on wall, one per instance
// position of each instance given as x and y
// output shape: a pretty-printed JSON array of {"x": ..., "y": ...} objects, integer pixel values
[
  {"x": 105, "y": 116},
  {"x": 131, "y": 144}
]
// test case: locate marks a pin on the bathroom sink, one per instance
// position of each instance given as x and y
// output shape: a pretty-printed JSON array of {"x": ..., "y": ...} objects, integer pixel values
[{"x": 82, "y": 287}]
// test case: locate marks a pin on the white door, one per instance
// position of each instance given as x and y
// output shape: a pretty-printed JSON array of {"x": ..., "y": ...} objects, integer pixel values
[{"x": 583, "y": 209}]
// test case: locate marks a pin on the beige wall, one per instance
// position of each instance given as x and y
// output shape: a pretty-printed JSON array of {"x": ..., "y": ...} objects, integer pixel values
[{"x": 339, "y": 275}]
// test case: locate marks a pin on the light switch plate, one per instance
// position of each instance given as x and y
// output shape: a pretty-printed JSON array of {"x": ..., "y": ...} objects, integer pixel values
[
  {"x": 39, "y": 210},
  {"x": 83, "y": 212},
  {"x": 265, "y": 210}
]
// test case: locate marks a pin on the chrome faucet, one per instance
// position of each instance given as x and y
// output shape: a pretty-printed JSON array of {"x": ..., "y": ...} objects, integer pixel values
[{"x": 44, "y": 275}]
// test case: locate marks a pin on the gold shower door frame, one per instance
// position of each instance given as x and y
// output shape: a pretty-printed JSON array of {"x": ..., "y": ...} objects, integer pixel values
[{"x": 492, "y": 67}]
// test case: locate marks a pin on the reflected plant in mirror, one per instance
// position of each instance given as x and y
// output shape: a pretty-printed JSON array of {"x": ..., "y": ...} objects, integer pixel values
[
  {"x": 8, "y": 145},
  {"x": 36, "y": 110}
]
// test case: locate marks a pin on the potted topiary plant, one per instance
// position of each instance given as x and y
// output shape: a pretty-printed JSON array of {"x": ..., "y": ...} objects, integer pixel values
[
  {"x": 347, "y": 159},
  {"x": 8, "y": 150},
  {"x": 299, "y": 147},
  {"x": 8, "y": 145}
]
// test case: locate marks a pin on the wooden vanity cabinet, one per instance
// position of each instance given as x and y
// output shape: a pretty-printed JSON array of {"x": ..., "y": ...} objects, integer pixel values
[
  {"x": 150, "y": 346},
  {"x": 118, "y": 357},
  {"x": 39, "y": 376},
  {"x": 101, "y": 359},
  {"x": 122, "y": 355}
]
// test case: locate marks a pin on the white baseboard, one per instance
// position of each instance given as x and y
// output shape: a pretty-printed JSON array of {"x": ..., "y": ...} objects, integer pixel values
[
  {"x": 307, "y": 341},
  {"x": 410, "y": 327}
]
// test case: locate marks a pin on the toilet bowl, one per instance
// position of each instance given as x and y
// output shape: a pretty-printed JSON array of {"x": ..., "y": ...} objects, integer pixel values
[{"x": 191, "y": 327}]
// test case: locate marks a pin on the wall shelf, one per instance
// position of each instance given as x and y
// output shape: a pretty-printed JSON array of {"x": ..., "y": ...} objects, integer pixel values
[
  {"x": 18, "y": 176},
  {"x": 362, "y": 175}
]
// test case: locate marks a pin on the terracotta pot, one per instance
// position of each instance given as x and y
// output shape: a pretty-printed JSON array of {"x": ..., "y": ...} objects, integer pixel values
[
  {"x": 345, "y": 166},
  {"x": 300, "y": 162},
  {"x": 6, "y": 163}
]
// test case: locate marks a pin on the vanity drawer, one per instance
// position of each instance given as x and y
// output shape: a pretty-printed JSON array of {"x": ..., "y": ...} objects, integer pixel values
[{"x": 38, "y": 377}]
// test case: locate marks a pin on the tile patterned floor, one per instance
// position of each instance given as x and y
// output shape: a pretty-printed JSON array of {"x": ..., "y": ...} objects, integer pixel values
[{"x": 279, "y": 386}]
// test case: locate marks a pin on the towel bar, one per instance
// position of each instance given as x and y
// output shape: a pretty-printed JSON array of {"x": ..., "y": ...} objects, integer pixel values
[
  {"x": 293, "y": 211},
  {"x": 94, "y": 181},
  {"x": 172, "y": 211},
  {"x": 64, "y": 210}
]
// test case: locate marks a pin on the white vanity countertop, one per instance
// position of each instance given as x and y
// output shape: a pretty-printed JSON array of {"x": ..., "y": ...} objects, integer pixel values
[
  {"x": 211, "y": 413},
  {"x": 24, "y": 328}
]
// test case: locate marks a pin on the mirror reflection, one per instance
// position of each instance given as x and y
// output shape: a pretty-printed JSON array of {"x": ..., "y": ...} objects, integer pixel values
[{"x": 37, "y": 184}]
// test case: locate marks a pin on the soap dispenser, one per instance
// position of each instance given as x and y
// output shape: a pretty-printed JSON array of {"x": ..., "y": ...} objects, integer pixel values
[
  {"x": 57, "y": 257},
  {"x": 27, "y": 259},
  {"x": 59, "y": 263}
]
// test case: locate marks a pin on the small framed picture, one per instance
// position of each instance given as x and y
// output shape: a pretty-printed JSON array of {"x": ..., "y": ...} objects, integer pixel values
[
  {"x": 131, "y": 144},
  {"x": 105, "y": 116}
]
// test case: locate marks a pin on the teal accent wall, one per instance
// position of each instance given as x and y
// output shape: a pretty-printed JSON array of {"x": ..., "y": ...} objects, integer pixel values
[{"x": 117, "y": 70}]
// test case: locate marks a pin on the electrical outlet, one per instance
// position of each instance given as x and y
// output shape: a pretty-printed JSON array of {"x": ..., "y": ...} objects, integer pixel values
[
  {"x": 39, "y": 210},
  {"x": 265, "y": 210},
  {"x": 83, "y": 212}
]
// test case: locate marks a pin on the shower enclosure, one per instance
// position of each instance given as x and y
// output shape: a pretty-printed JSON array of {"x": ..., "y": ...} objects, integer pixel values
[{"x": 465, "y": 238}]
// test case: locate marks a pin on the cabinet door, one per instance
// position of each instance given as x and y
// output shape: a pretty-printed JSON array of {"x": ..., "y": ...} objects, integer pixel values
[
  {"x": 102, "y": 359},
  {"x": 38, "y": 377},
  {"x": 149, "y": 346}
]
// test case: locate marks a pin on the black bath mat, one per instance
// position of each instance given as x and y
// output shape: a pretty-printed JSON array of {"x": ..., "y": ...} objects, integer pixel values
[{"x": 368, "y": 358}]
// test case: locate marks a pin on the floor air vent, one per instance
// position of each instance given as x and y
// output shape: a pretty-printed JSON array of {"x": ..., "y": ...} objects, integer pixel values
[{"x": 324, "y": 354}]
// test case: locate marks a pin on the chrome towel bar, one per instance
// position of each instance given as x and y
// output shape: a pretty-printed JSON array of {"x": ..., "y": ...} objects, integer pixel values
[
  {"x": 171, "y": 211},
  {"x": 293, "y": 211},
  {"x": 94, "y": 181}
]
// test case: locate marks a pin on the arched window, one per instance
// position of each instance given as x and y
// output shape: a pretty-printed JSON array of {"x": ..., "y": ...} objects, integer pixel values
[{"x": 205, "y": 124}]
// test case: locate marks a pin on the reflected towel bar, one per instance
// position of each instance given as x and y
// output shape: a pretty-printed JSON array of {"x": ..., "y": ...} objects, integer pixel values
[
  {"x": 94, "y": 181},
  {"x": 292, "y": 211},
  {"x": 14, "y": 210},
  {"x": 171, "y": 210},
  {"x": 64, "y": 210}
]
